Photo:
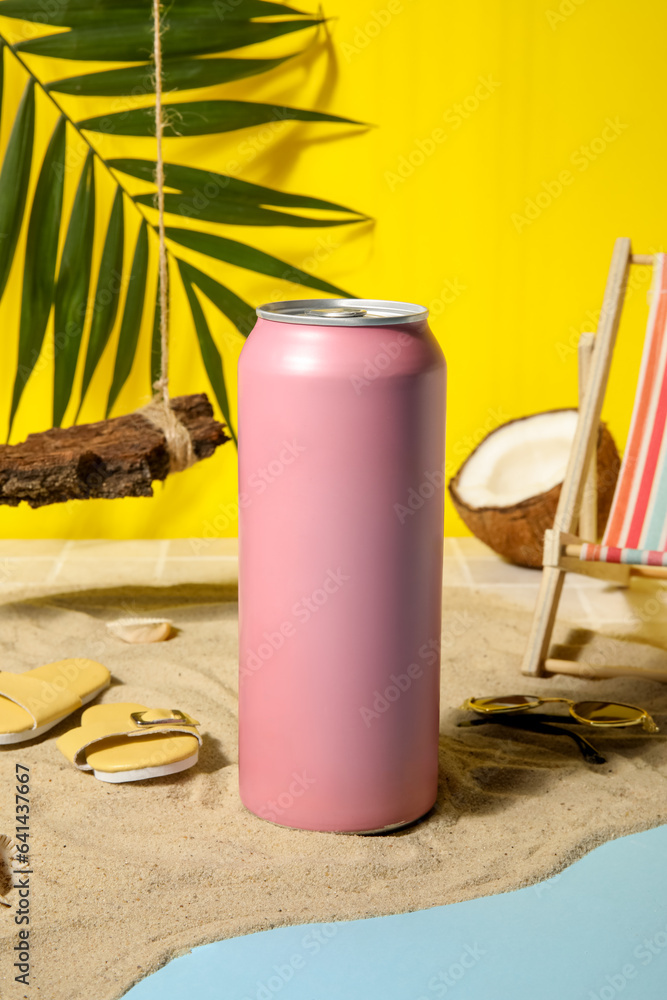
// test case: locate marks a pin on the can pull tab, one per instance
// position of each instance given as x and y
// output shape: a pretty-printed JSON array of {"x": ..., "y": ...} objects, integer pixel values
[{"x": 336, "y": 312}]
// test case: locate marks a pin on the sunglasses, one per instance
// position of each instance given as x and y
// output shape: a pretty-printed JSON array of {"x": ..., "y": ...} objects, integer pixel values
[
  {"x": 545, "y": 724},
  {"x": 591, "y": 713}
]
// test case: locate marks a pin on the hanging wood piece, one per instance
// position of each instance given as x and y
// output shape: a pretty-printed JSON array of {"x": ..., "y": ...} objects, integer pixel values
[{"x": 120, "y": 457}]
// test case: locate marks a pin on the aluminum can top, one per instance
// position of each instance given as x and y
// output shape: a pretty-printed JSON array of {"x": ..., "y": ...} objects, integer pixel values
[{"x": 343, "y": 312}]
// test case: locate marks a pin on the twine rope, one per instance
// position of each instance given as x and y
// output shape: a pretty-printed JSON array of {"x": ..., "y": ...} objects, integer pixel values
[{"x": 159, "y": 412}]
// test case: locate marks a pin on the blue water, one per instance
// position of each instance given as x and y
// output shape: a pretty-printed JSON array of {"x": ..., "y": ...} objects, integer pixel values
[{"x": 597, "y": 931}]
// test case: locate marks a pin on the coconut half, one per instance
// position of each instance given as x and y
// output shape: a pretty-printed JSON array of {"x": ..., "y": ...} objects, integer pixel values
[{"x": 507, "y": 489}]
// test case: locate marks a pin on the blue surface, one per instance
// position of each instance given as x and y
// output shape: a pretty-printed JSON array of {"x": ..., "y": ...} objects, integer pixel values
[{"x": 597, "y": 931}]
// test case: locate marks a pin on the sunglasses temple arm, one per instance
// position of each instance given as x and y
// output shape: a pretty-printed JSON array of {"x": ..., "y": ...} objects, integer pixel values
[{"x": 587, "y": 750}]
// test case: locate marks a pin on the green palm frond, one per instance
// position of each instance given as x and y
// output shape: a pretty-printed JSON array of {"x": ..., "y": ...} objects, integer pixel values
[
  {"x": 85, "y": 297},
  {"x": 120, "y": 38},
  {"x": 128, "y": 338},
  {"x": 41, "y": 254},
  {"x": 178, "y": 74},
  {"x": 14, "y": 179},
  {"x": 209, "y": 351},
  {"x": 71, "y": 295},
  {"x": 107, "y": 294}
]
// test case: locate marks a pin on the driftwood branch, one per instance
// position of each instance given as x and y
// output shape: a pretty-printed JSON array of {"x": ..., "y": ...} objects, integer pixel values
[{"x": 112, "y": 458}]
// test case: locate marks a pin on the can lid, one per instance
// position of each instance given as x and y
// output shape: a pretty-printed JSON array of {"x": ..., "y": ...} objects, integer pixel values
[{"x": 343, "y": 312}]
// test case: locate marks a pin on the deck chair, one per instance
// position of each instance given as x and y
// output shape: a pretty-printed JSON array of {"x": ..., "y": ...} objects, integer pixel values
[{"x": 635, "y": 538}]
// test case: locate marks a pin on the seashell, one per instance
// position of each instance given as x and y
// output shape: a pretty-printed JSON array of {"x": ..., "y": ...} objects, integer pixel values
[
  {"x": 141, "y": 629},
  {"x": 10, "y": 853},
  {"x": 8, "y": 847}
]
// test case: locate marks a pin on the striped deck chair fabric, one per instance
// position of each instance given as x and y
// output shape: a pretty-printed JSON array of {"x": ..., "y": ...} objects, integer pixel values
[{"x": 636, "y": 531}]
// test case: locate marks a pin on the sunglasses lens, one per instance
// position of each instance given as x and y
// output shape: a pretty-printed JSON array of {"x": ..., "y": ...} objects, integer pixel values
[
  {"x": 604, "y": 713},
  {"x": 508, "y": 704}
]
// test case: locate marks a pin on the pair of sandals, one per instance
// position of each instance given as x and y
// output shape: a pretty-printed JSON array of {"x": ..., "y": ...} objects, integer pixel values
[{"x": 117, "y": 742}]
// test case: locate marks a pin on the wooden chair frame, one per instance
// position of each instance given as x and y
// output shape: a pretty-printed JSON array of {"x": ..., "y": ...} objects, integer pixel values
[{"x": 577, "y": 505}]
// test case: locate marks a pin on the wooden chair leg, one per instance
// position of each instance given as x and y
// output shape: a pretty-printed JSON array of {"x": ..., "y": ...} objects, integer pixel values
[
  {"x": 539, "y": 639},
  {"x": 588, "y": 513},
  {"x": 582, "y": 456},
  {"x": 595, "y": 672}
]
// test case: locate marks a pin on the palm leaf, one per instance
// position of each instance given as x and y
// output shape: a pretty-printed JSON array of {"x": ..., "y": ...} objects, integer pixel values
[
  {"x": 71, "y": 295},
  {"x": 203, "y": 118},
  {"x": 105, "y": 303},
  {"x": 122, "y": 31},
  {"x": 238, "y": 214},
  {"x": 128, "y": 39},
  {"x": 247, "y": 257},
  {"x": 209, "y": 352},
  {"x": 68, "y": 15},
  {"x": 234, "y": 308},
  {"x": 213, "y": 186},
  {"x": 73, "y": 13},
  {"x": 132, "y": 314},
  {"x": 14, "y": 179},
  {"x": 156, "y": 337},
  {"x": 40, "y": 261},
  {"x": 177, "y": 74}
]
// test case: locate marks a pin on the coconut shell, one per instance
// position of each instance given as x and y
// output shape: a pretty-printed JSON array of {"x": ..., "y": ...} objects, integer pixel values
[{"x": 517, "y": 532}]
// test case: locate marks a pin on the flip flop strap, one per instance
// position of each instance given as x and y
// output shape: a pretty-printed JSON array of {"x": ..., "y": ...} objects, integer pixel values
[
  {"x": 76, "y": 743},
  {"x": 43, "y": 701}
]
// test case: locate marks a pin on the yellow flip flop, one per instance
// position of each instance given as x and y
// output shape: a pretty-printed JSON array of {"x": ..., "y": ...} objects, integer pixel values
[
  {"x": 129, "y": 742},
  {"x": 35, "y": 701}
]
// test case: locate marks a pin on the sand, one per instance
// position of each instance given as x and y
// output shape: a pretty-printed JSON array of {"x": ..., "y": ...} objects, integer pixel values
[{"x": 128, "y": 876}]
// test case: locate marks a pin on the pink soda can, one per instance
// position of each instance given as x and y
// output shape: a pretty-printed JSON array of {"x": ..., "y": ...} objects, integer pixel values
[{"x": 341, "y": 495}]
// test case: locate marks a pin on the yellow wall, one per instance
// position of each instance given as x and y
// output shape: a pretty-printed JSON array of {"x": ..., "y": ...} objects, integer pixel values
[{"x": 480, "y": 107}]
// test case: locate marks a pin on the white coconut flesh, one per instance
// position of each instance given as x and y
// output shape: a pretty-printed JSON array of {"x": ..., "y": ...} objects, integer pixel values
[{"x": 518, "y": 461}]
